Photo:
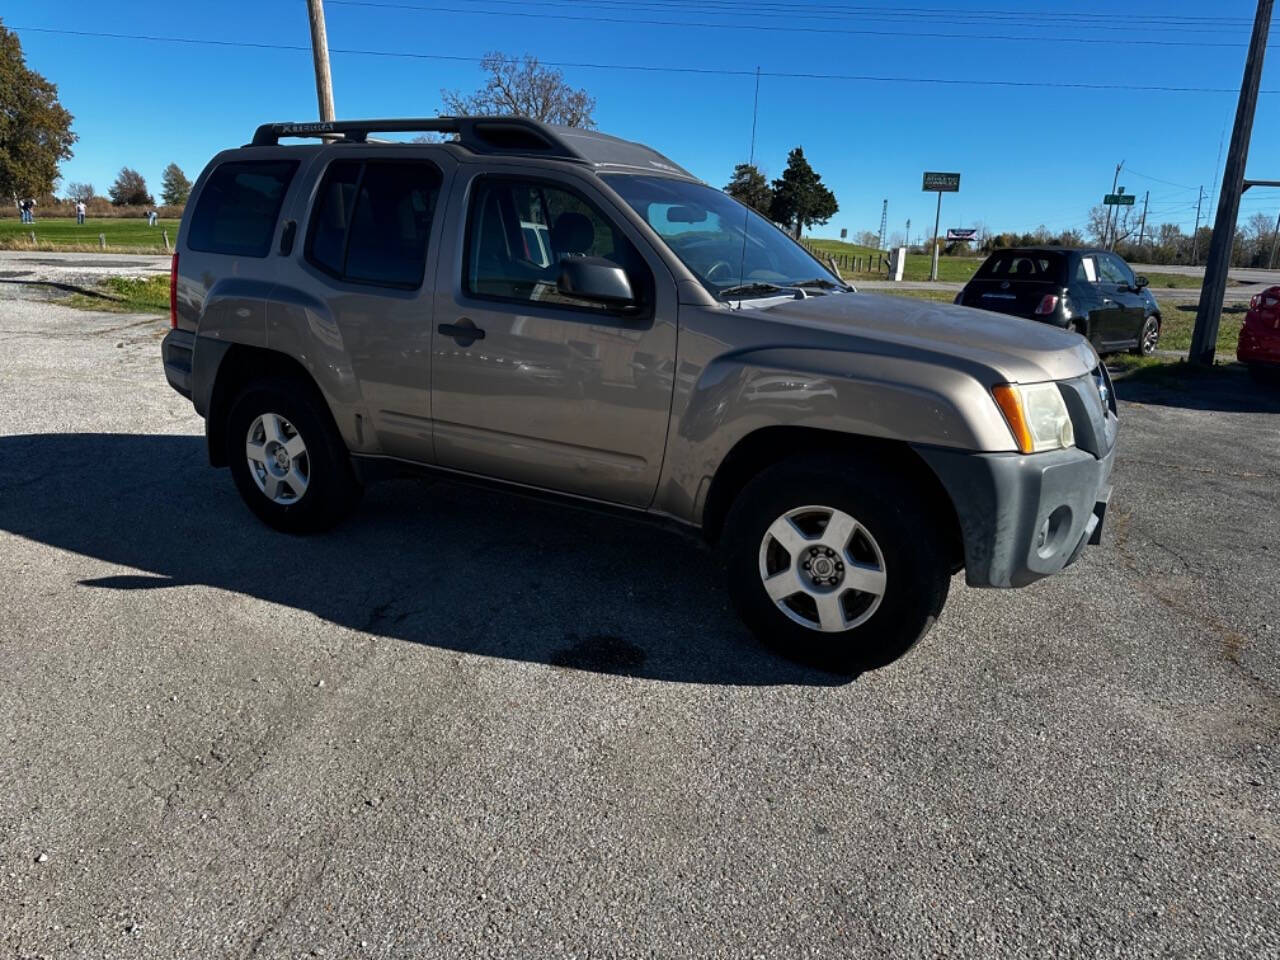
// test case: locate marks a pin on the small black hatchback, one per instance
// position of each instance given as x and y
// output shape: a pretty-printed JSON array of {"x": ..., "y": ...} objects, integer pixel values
[{"x": 1093, "y": 292}]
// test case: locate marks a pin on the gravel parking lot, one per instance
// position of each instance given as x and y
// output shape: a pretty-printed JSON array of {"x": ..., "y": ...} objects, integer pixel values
[{"x": 469, "y": 724}]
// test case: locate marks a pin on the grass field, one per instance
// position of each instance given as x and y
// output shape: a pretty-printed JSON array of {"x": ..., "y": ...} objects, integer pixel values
[
  {"x": 957, "y": 269},
  {"x": 123, "y": 235}
]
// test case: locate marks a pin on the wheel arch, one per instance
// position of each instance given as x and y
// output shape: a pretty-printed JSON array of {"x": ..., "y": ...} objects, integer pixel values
[
  {"x": 240, "y": 365},
  {"x": 767, "y": 446}
]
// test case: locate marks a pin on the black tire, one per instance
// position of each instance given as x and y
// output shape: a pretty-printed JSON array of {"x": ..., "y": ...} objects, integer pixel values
[
  {"x": 889, "y": 507},
  {"x": 332, "y": 490},
  {"x": 1148, "y": 337}
]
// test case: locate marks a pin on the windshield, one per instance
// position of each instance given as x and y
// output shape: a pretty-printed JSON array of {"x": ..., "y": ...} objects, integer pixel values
[{"x": 732, "y": 249}]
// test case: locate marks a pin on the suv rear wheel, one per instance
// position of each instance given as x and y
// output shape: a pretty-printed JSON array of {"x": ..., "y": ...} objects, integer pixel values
[
  {"x": 833, "y": 566},
  {"x": 289, "y": 463}
]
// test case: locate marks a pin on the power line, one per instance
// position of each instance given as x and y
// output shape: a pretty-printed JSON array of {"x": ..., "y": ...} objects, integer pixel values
[
  {"x": 645, "y": 68},
  {"x": 765, "y": 8},
  {"x": 916, "y": 13},
  {"x": 770, "y": 28}
]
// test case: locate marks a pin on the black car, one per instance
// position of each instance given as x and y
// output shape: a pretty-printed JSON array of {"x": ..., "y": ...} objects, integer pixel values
[{"x": 1090, "y": 291}]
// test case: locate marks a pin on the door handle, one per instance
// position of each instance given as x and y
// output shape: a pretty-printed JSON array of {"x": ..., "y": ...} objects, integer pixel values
[
  {"x": 1107, "y": 300},
  {"x": 464, "y": 331}
]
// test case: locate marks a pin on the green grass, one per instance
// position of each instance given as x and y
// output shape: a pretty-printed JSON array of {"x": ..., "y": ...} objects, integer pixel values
[
  {"x": 953, "y": 269},
  {"x": 126, "y": 295},
  {"x": 123, "y": 235}
]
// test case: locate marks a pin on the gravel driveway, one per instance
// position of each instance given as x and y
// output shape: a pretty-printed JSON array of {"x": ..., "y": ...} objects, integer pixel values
[{"x": 468, "y": 724}]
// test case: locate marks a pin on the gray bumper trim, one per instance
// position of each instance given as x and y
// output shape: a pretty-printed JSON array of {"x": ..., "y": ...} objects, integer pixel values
[
  {"x": 175, "y": 351},
  {"x": 1023, "y": 517}
]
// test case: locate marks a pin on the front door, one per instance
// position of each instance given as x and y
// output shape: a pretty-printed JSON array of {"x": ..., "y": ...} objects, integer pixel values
[
  {"x": 1125, "y": 309},
  {"x": 534, "y": 385}
]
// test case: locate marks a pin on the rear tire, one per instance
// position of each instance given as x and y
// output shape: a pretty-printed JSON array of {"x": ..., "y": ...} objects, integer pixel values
[
  {"x": 787, "y": 529},
  {"x": 288, "y": 460}
]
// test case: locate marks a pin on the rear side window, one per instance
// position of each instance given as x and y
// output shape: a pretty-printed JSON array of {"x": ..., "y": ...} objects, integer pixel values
[
  {"x": 372, "y": 220},
  {"x": 1011, "y": 265},
  {"x": 237, "y": 210}
]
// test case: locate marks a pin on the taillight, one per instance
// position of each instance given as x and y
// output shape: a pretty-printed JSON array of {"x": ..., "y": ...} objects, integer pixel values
[
  {"x": 1048, "y": 304},
  {"x": 173, "y": 291}
]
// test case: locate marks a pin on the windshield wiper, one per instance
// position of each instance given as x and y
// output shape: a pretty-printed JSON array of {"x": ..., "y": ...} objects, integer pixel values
[
  {"x": 756, "y": 287},
  {"x": 819, "y": 282}
]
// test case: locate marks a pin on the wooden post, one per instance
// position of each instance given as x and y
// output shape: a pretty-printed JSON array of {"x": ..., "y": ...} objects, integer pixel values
[
  {"x": 166, "y": 239},
  {"x": 320, "y": 54},
  {"x": 102, "y": 241},
  {"x": 1204, "y": 338},
  {"x": 33, "y": 237}
]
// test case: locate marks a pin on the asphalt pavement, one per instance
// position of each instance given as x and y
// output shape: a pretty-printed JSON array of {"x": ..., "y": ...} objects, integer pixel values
[{"x": 466, "y": 724}]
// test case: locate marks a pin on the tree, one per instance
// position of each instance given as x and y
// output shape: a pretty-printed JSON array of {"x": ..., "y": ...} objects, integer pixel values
[
  {"x": 748, "y": 185},
  {"x": 35, "y": 130},
  {"x": 174, "y": 186},
  {"x": 82, "y": 192},
  {"x": 524, "y": 88},
  {"x": 800, "y": 200},
  {"x": 130, "y": 188}
]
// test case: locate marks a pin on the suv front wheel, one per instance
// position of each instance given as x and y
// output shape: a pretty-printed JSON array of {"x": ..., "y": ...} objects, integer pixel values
[
  {"x": 833, "y": 566},
  {"x": 289, "y": 463}
]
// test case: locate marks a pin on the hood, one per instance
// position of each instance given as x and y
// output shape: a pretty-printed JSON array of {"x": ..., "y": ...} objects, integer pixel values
[{"x": 1012, "y": 349}]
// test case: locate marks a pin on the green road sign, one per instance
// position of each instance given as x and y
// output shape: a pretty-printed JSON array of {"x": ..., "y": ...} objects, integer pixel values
[
  {"x": 1119, "y": 199},
  {"x": 942, "y": 182}
]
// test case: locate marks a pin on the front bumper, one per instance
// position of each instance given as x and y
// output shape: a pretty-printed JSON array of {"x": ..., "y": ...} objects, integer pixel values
[{"x": 1023, "y": 517}]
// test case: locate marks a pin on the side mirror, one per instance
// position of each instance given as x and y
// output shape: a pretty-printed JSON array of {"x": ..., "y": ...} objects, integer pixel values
[
  {"x": 1140, "y": 282},
  {"x": 595, "y": 279}
]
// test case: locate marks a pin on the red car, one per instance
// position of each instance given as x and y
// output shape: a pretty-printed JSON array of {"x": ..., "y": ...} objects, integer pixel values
[{"x": 1259, "y": 345}]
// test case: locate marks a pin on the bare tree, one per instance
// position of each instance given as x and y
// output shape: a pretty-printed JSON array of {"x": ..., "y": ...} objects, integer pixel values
[
  {"x": 522, "y": 87},
  {"x": 83, "y": 192}
]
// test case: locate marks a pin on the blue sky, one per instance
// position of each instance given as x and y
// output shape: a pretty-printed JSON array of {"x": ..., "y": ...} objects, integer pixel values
[{"x": 1027, "y": 155}]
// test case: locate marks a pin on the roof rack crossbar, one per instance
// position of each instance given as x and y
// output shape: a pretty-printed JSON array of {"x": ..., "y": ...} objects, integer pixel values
[{"x": 480, "y": 134}]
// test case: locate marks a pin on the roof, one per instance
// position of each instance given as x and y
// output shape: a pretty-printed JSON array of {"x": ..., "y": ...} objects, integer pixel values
[
  {"x": 505, "y": 136},
  {"x": 1046, "y": 248}
]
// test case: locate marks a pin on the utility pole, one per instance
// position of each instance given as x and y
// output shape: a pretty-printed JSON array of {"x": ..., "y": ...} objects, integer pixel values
[
  {"x": 1204, "y": 338},
  {"x": 1271, "y": 262},
  {"x": 907, "y": 241},
  {"x": 1142, "y": 227},
  {"x": 884, "y": 223},
  {"x": 937, "y": 219},
  {"x": 1195, "y": 234},
  {"x": 320, "y": 54},
  {"x": 1106, "y": 232}
]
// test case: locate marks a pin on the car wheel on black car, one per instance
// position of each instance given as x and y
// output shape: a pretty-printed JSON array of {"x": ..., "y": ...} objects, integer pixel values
[{"x": 1149, "y": 338}]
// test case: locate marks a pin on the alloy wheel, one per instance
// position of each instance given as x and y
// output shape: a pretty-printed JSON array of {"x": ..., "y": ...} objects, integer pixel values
[
  {"x": 822, "y": 568},
  {"x": 278, "y": 460}
]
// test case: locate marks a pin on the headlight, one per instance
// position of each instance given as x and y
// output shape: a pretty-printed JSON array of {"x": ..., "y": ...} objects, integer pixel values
[{"x": 1036, "y": 414}]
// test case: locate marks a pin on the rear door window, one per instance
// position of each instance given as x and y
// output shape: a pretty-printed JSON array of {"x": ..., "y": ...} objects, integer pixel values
[
  {"x": 1087, "y": 271},
  {"x": 372, "y": 220},
  {"x": 1012, "y": 265},
  {"x": 238, "y": 207}
]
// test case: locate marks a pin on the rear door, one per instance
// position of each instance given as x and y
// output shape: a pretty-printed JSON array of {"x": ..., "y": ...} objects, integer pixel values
[
  {"x": 1086, "y": 296},
  {"x": 1015, "y": 282},
  {"x": 356, "y": 304},
  {"x": 530, "y": 384}
]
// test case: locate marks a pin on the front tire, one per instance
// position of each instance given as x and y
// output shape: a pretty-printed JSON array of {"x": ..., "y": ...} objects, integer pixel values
[
  {"x": 287, "y": 459},
  {"x": 835, "y": 566},
  {"x": 1148, "y": 338}
]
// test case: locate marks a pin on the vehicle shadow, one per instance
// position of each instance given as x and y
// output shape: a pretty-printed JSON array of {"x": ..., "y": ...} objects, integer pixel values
[
  {"x": 1228, "y": 389},
  {"x": 428, "y": 562}
]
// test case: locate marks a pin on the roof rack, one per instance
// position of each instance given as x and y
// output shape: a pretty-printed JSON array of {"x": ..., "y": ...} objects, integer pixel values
[{"x": 478, "y": 134}]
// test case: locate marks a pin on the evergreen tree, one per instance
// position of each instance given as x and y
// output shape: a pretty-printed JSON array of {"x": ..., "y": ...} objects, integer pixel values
[
  {"x": 174, "y": 186},
  {"x": 800, "y": 199},
  {"x": 748, "y": 185}
]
